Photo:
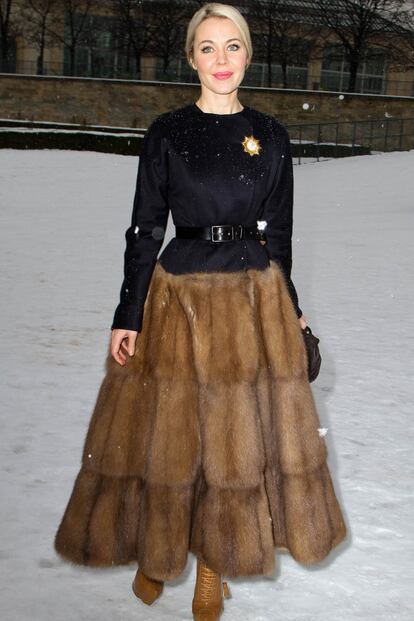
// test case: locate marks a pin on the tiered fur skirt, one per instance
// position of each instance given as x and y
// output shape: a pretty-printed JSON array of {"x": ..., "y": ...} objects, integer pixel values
[{"x": 207, "y": 440}]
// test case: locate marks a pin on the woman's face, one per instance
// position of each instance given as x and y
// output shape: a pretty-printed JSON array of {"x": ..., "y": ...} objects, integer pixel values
[{"x": 219, "y": 55}]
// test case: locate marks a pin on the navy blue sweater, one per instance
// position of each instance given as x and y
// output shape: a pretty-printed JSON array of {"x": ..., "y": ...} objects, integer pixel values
[{"x": 208, "y": 169}]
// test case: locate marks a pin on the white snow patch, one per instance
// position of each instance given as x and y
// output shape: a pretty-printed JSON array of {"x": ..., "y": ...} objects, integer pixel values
[{"x": 62, "y": 221}]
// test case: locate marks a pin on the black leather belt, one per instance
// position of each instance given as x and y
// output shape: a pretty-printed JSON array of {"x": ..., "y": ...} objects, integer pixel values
[{"x": 220, "y": 232}]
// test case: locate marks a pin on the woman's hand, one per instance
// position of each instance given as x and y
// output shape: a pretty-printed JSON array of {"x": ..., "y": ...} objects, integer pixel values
[
  {"x": 302, "y": 321},
  {"x": 122, "y": 341}
]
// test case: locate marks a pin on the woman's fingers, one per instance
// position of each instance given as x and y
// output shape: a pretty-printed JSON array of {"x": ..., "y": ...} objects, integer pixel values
[
  {"x": 116, "y": 350},
  {"x": 123, "y": 341},
  {"x": 122, "y": 351},
  {"x": 131, "y": 343},
  {"x": 303, "y": 321}
]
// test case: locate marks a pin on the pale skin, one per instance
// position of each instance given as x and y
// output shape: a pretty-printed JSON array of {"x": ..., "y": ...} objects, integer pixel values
[{"x": 218, "y": 47}]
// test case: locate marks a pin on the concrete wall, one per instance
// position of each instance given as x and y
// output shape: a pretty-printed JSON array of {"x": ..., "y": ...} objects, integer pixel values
[{"x": 134, "y": 104}]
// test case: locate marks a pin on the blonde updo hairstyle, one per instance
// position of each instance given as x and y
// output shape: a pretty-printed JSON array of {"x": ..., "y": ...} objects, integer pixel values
[{"x": 217, "y": 9}]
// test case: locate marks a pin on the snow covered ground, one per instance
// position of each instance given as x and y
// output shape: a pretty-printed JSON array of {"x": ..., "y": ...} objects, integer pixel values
[{"x": 62, "y": 221}]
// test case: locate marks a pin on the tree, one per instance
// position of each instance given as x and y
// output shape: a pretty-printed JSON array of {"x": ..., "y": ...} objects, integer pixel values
[
  {"x": 37, "y": 18},
  {"x": 136, "y": 29},
  {"x": 358, "y": 24},
  {"x": 167, "y": 40},
  {"x": 410, "y": 37},
  {"x": 69, "y": 25},
  {"x": 6, "y": 32},
  {"x": 403, "y": 51},
  {"x": 281, "y": 35}
]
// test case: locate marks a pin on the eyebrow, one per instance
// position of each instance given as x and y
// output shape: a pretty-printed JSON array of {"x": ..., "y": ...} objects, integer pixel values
[{"x": 209, "y": 40}]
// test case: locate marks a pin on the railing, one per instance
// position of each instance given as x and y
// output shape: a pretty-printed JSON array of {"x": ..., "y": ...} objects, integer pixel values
[
  {"x": 345, "y": 138},
  {"x": 309, "y": 141},
  {"x": 298, "y": 78}
]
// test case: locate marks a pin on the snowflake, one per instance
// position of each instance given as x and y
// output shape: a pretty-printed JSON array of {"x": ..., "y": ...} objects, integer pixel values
[
  {"x": 322, "y": 431},
  {"x": 261, "y": 224}
]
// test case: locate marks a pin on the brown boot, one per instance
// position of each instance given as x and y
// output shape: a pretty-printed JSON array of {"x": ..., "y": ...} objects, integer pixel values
[
  {"x": 208, "y": 598},
  {"x": 147, "y": 589}
]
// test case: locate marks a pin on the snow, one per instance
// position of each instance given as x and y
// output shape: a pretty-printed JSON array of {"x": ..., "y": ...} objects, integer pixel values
[
  {"x": 24, "y": 124},
  {"x": 36, "y": 130},
  {"x": 63, "y": 215}
]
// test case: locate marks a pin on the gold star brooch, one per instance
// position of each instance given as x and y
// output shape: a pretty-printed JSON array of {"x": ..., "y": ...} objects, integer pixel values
[{"x": 251, "y": 145}]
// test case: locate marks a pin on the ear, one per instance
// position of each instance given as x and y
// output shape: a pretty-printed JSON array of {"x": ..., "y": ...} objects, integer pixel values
[{"x": 191, "y": 60}]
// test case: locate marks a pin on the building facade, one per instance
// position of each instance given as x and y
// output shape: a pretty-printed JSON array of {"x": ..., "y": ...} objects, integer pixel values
[{"x": 106, "y": 45}]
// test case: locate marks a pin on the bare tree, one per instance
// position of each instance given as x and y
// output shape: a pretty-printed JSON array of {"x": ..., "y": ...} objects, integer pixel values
[
  {"x": 359, "y": 24},
  {"x": 410, "y": 37},
  {"x": 136, "y": 29},
  {"x": 282, "y": 35},
  {"x": 37, "y": 17},
  {"x": 6, "y": 32},
  {"x": 167, "y": 40},
  {"x": 69, "y": 25},
  {"x": 403, "y": 50}
]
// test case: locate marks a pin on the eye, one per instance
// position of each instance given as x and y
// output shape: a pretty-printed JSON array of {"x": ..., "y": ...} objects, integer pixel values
[{"x": 208, "y": 47}]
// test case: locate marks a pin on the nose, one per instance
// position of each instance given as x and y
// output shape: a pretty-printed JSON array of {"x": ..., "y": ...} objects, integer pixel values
[{"x": 222, "y": 57}]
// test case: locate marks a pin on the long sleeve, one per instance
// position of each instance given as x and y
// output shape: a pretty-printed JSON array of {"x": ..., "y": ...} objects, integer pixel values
[
  {"x": 145, "y": 235},
  {"x": 278, "y": 214}
]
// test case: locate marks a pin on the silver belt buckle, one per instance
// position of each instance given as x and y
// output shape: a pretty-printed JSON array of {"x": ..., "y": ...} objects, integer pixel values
[
  {"x": 235, "y": 228},
  {"x": 214, "y": 228}
]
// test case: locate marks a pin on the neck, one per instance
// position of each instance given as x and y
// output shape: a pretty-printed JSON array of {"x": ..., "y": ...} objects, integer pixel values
[{"x": 212, "y": 108}]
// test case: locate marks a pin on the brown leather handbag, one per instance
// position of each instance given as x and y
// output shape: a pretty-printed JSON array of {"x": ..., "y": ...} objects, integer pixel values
[{"x": 313, "y": 353}]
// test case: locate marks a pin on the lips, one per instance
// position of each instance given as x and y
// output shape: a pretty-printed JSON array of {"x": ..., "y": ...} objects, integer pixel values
[{"x": 223, "y": 75}]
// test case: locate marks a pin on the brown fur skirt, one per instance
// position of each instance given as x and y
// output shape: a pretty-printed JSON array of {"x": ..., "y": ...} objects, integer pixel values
[{"x": 207, "y": 439}]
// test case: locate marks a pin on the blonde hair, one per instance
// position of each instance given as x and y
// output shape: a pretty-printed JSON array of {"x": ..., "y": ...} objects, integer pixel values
[{"x": 216, "y": 9}]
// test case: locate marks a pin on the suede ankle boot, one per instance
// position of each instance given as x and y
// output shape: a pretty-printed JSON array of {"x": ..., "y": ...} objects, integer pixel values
[
  {"x": 207, "y": 602},
  {"x": 145, "y": 588}
]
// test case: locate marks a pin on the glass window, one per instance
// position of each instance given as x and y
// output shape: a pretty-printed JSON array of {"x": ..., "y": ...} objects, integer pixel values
[
  {"x": 95, "y": 52},
  {"x": 335, "y": 70}
]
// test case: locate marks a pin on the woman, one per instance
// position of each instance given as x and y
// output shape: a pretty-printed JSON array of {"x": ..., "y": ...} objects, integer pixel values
[{"x": 205, "y": 435}]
